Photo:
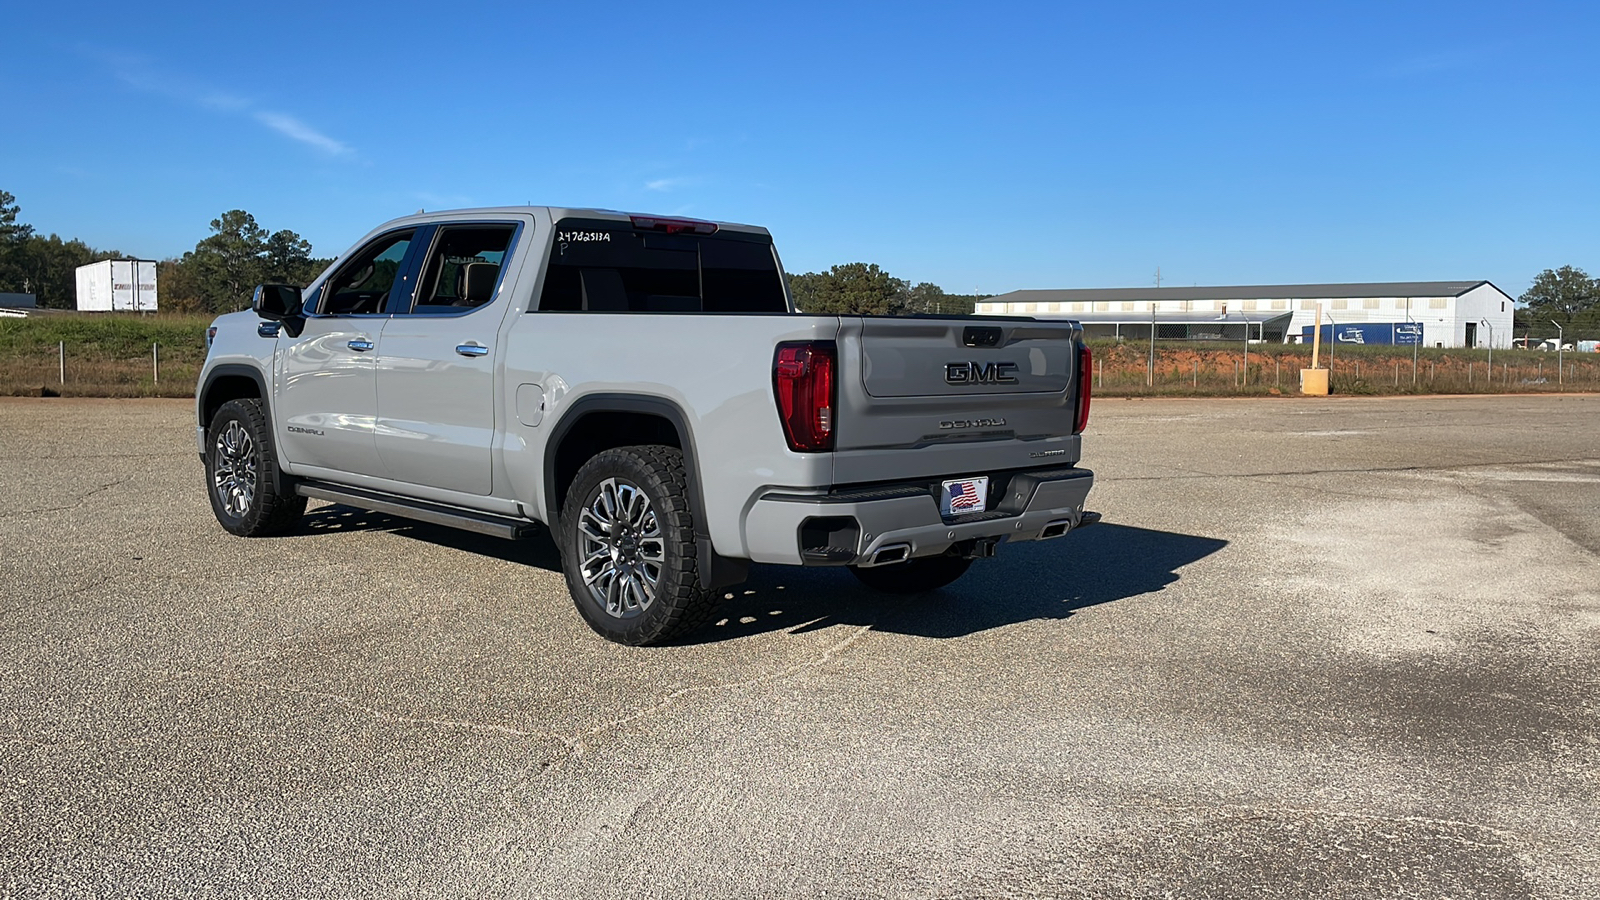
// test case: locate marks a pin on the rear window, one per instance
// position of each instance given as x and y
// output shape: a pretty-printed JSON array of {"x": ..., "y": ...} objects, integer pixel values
[{"x": 599, "y": 265}]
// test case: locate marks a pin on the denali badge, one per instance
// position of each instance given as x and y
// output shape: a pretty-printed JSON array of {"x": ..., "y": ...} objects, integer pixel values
[
  {"x": 973, "y": 423},
  {"x": 980, "y": 373}
]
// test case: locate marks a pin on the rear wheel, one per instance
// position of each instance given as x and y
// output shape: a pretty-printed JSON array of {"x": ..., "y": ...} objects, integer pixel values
[
  {"x": 628, "y": 547},
  {"x": 242, "y": 473},
  {"x": 914, "y": 577}
]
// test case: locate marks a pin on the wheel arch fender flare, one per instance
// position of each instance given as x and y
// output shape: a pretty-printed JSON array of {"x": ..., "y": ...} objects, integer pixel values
[
  {"x": 209, "y": 400},
  {"x": 714, "y": 570}
]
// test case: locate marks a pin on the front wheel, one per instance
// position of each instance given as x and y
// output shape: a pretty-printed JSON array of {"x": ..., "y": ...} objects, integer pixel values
[
  {"x": 914, "y": 577},
  {"x": 242, "y": 473},
  {"x": 628, "y": 547}
]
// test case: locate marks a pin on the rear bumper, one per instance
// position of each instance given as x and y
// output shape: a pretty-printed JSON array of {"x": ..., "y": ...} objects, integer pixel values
[{"x": 857, "y": 527}]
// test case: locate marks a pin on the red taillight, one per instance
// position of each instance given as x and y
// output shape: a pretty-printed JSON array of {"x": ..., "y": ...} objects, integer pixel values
[
  {"x": 1085, "y": 379},
  {"x": 802, "y": 379},
  {"x": 673, "y": 226}
]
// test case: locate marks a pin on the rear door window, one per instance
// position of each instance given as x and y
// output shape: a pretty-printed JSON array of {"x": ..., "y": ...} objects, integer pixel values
[
  {"x": 600, "y": 265},
  {"x": 464, "y": 268}
]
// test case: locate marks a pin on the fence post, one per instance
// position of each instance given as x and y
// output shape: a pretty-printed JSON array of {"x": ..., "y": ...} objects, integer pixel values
[
  {"x": 1469, "y": 373},
  {"x": 1396, "y": 374},
  {"x": 1277, "y": 369},
  {"x": 155, "y": 363},
  {"x": 1358, "y": 370},
  {"x": 1196, "y": 383},
  {"x": 1430, "y": 371},
  {"x": 1101, "y": 365},
  {"x": 61, "y": 351}
]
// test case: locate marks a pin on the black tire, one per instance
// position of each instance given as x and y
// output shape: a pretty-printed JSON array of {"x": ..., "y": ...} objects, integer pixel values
[
  {"x": 628, "y": 547},
  {"x": 242, "y": 473},
  {"x": 917, "y": 576}
]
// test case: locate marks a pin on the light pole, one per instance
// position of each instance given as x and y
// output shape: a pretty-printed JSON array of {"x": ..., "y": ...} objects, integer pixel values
[
  {"x": 1561, "y": 344},
  {"x": 1246, "y": 379},
  {"x": 1416, "y": 342},
  {"x": 1152, "y": 375},
  {"x": 1333, "y": 338},
  {"x": 1491, "y": 349}
]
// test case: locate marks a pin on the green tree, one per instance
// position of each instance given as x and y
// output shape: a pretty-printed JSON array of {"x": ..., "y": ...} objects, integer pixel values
[
  {"x": 14, "y": 236},
  {"x": 222, "y": 270},
  {"x": 929, "y": 299},
  {"x": 230, "y": 262},
  {"x": 12, "y": 231},
  {"x": 288, "y": 259},
  {"x": 850, "y": 289},
  {"x": 1566, "y": 295},
  {"x": 180, "y": 289}
]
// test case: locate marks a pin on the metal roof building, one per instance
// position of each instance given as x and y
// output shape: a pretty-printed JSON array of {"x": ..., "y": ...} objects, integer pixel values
[{"x": 1452, "y": 313}]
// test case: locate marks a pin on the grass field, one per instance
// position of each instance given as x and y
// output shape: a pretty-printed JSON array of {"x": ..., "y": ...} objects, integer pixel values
[{"x": 109, "y": 355}]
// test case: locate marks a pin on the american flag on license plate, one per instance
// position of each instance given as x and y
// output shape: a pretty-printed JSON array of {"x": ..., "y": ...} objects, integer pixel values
[{"x": 964, "y": 495}]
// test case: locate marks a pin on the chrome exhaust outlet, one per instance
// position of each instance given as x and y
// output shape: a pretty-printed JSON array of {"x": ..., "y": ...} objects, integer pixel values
[
  {"x": 890, "y": 553},
  {"x": 1055, "y": 529}
]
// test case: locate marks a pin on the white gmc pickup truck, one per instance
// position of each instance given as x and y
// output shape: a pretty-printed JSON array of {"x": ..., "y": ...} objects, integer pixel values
[{"x": 644, "y": 388}]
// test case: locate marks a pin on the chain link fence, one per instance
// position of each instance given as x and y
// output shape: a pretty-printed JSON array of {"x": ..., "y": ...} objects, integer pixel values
[{"x": 1128, "y": 368}]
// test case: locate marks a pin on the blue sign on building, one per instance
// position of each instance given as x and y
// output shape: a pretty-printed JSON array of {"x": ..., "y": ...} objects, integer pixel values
[{"x": 1406, "y": 333}]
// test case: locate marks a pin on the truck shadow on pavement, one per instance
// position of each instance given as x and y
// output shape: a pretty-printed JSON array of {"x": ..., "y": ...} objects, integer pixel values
[
  {"x": 537, "y": 551},
  {"x": 1048, "y": 580}
]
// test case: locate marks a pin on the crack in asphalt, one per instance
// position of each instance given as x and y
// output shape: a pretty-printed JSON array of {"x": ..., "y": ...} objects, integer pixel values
[
  {"x": 576, "y": 744},
  {"x": 29, "y": 604},
  {"x": 383, "y": 715},
  {"x": 667, "y": 700},
  {"x": 74, "y": 505}
]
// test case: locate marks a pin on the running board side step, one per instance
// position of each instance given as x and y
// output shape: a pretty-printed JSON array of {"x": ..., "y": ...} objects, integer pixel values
[{"x": 420, "y": 510}]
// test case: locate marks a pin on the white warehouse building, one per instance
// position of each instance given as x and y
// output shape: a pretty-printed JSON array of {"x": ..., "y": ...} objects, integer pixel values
[{"x": 1451, "y": 313}]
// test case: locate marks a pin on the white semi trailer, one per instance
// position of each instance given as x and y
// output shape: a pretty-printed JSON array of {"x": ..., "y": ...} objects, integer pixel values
[{"x": 117, "y": 284}]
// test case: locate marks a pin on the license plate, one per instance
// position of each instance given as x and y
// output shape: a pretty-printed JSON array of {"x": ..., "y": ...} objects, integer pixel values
[{"x": 964, "y": 495}]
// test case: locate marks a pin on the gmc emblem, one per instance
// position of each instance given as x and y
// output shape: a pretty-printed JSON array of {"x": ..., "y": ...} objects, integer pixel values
[{"x": 980, "y": 373}]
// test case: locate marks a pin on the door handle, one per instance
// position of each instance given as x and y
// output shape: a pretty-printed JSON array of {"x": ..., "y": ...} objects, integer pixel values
[
  {"x": 360, "y": 345},
  {"x": 473, "y": 349}
]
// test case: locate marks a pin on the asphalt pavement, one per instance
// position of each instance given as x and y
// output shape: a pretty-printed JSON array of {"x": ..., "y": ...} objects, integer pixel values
[{"x": 1318, "y": 648}]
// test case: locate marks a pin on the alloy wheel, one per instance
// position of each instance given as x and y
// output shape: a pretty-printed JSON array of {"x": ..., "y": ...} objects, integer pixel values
[
  {"x": 622, "y": 549},
  {"x": 233, "y": 470}
]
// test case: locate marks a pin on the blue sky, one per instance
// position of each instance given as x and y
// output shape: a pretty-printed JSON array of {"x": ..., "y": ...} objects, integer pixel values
[{"x": 988, "y": 146}]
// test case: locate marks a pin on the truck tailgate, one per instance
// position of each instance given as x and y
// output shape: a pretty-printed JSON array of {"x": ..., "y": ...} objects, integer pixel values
[{"x": 975, "y": 394}]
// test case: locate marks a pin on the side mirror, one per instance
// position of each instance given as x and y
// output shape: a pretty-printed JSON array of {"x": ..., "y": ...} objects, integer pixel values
[{"x": 276, "y": 302}]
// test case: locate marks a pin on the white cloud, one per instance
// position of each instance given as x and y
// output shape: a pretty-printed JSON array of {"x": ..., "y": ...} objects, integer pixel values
[
  {"x": 291, "y": 127},
  {"x": 664, "y": 185},
  {"x": 136, "y": 73}
]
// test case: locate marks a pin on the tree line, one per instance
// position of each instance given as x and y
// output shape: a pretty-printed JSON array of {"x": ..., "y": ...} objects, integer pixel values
[
  {"x": 218, "y": 275},
  {"x": 225, "y": 265},
  {"x": 865, "y": 289}
]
